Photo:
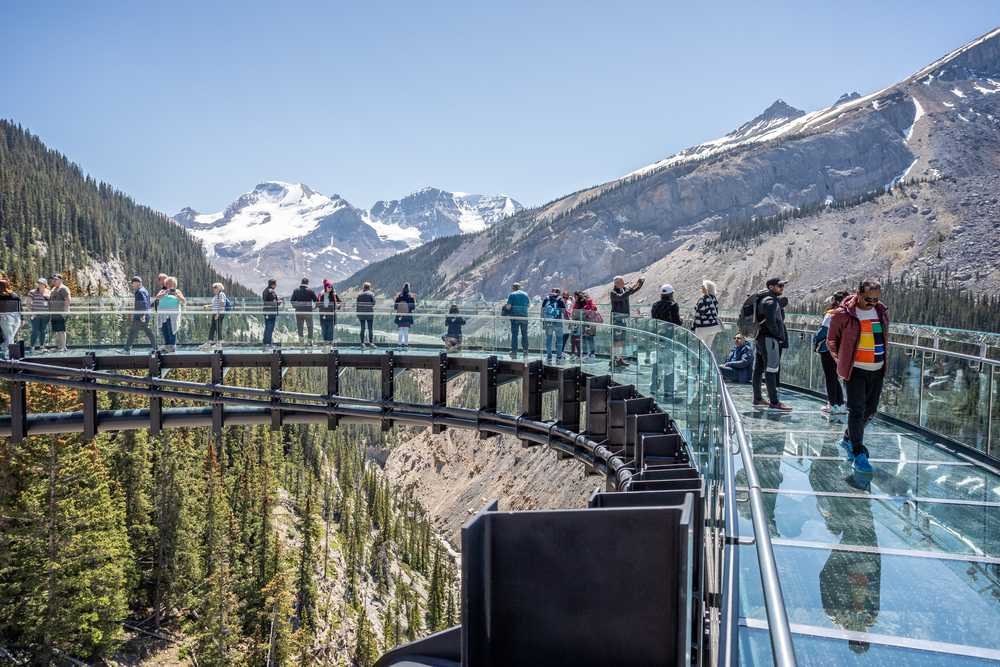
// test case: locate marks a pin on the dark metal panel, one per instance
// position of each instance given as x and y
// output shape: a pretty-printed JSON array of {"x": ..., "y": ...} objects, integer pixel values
[
  {"x": 277, "y": 376},
  {"x": 439, "y": 391},
  {"x": 388, "y": 365},
  {"x": 18, "y": 399},
  {"x": 155, "y": 402},
  {"x": 531, "y": 394},
  {"x": 332, "y": 385},
  {"x": 217, "y": 407},
  {"x": 89, "y": 399}
]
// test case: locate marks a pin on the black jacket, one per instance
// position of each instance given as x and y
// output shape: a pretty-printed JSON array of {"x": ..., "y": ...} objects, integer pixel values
[
  {"x": 666, "y": 310},
  {"x": 771, "y": 315},
  {"x": 303, "y": 299},
  {"x": 271, "y": 300}
]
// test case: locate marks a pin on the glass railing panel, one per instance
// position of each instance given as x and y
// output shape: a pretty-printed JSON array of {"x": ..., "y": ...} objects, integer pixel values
[
  {"x": 955, "y": 399},
  {"x": 883, "y": 447},
  {"x": 994, "y": 425},
  {"x": 901, "y": 387}
]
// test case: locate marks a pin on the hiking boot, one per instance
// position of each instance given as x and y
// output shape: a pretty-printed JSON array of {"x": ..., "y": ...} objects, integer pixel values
[{"x": 779, "y": 407}]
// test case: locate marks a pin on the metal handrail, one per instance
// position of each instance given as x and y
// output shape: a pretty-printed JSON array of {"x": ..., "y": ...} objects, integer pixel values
[
  {"x": 974, "y": 358},
  {"x": 774, "y": 601}
]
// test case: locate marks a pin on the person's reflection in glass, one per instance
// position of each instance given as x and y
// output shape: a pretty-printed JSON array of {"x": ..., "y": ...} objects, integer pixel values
[{"x": 850, "y": 582}]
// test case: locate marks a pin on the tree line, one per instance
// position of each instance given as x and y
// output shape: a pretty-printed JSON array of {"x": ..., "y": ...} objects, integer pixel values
[
  {"x": 56, "y": 219},
  {"x": 260, "y": 547}
]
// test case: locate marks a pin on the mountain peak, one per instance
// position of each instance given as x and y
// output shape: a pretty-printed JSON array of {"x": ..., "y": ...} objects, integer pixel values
[
  {"x": 781, "y": 109},
  {"x": 778, "y": 113},
  {"x": 847, "y": 97}
]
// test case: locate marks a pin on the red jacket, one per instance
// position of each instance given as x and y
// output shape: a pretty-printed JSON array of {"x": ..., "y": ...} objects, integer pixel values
[{"x": 845, "y": 331}]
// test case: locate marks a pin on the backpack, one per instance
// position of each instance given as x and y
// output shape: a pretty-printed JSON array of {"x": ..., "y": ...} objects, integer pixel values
[
  {"x": 228, "y": 305},
  {"x": 551, "y": 310},
  {"x": 748, "y": 321},
  {"x": 403, "y": 307}
]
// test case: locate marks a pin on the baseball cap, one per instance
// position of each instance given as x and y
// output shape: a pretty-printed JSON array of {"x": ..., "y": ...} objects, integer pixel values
[
  {"x": 136, "y": 279},
  {"x": 56, "y": 276},
  {"x": 666, "y": 288},
  {"x": 776, "y": 281}
]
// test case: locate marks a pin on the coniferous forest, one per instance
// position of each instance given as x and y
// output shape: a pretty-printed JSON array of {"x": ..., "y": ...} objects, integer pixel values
[
  {"x": 262, "y": 548},
  {"x": 56, "y": 219}
]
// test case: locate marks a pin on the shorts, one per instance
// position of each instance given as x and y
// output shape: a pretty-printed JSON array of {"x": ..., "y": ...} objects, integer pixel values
[{"x": 58, "y": 324}]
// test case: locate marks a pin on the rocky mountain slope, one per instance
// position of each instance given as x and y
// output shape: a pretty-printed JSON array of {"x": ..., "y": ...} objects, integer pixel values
[
  {"x": 937, "y": 133},
  {"x": 288, "y": 230}
]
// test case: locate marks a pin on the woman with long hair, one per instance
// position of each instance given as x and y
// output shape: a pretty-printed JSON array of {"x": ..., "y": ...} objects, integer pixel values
[
  {"x": 404, "y": 306},
  {"x": 328, "y": 305},
  {"x": 834, "y": 390},
  {"x": 706, "y": 314}
]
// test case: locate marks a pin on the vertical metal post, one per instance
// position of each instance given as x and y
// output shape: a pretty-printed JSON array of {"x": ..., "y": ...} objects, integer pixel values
[
  {"x": 920, "y": 391},
  {"x": 531, "y": 393},
  {"x": 989, "y": 411},
  {"x": 155, "y": 402},
  {"x": 90, "y": 401},
  {"x": 439, "y": 392},
  {"x": 217, "y": 415},
  {"x": 388, "y": 384},
  {"x": 332, "y": 386},
  {"x": 18, "y": 400},
  {"x": 276, "y": 415},
  {"x": 488, "y": 388}
]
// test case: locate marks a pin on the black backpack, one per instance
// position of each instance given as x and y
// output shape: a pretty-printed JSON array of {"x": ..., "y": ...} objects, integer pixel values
[{"x": 749, "y": 322}]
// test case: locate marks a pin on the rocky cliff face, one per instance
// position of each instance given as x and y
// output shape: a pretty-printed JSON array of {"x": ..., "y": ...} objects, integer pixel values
[{"x": 943, "y": 122}]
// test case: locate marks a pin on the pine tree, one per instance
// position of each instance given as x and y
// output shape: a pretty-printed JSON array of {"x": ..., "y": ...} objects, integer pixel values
[
  {"x": 64, "y": 551},
  {"x": 365, "y": 646}
]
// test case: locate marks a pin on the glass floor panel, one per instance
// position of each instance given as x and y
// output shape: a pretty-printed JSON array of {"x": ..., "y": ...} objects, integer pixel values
[
  {"x": 951, "y": 601},
  {"x": 896, "y": 447},
  {"x": 924, "y": 480},
  {"x": 812, "y": 651},
  {"x": 930, "y": 526}
]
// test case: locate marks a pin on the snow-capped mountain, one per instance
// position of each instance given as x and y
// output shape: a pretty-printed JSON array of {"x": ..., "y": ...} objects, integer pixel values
[
  {"x": 432, "y": 213},
  {"x": 288, "y": 230}
]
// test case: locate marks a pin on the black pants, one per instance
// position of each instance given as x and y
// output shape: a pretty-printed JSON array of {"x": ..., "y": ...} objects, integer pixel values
[
  {"x": 765, "y": 347},
  {"x": 834, "y": 392},
  {"x": 215, "y": 329},
  {"x": 864, "y": 390},
  {"x": 137, "y": 325},
  {"x": 366, "y": 323}
]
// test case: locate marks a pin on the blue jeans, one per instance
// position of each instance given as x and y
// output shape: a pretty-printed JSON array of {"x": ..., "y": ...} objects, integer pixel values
[
  {"x": 269, "y": 321},
  {"x": 518, "y": 325},
  {"x": 588, "y": 345},
  {"x": 326, "y": 323},
  {"x": 169, "y": 337},
  {"x": 553, "y": 340},
  {"x": 39, "y": 324}
]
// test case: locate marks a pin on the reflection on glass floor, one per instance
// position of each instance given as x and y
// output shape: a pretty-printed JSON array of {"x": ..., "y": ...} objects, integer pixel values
[{"x": 901, "y": 566}]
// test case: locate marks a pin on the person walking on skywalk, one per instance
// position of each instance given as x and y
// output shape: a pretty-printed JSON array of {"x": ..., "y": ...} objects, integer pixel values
[
  {"x": 139, "y": 321},
  {"x": 858, "y": 340},
  {"x": 768, "y": 316}
]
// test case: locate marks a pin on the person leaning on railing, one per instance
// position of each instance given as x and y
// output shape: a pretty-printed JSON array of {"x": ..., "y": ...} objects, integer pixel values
[
  {"x": 271, "y": 302},
  {"x": 139, "y": 321},
  {"x": 304, "y": 302},
  {"x": 620, "y": 311},
  {"x": 38, "y": 303},
  {"x": 365, "y": 307},
  {"x": 329, "y": 303},
  {"x": 10, "y": 314}
]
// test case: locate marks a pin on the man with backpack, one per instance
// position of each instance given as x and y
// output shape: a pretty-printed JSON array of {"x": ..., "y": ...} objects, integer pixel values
[
  {"x": 553, "y": 313},
  {"x": 270, "y": 307},
  {"x": 858, "y": 341},
  {"x": 764, "y": 314}
]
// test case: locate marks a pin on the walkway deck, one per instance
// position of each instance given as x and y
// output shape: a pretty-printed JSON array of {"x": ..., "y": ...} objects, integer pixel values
[{"x": 901, "y": 567}]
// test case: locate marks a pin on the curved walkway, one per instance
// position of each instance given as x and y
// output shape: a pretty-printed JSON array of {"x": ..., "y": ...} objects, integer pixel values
[{"x": 901, "y": 566}]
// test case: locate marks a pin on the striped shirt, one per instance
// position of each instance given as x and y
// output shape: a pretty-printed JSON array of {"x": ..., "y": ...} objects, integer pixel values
[
  {"x": 870, "y": 353},
  {"x": 219, "y": 303},
  {"x": 38, "y": 300}
]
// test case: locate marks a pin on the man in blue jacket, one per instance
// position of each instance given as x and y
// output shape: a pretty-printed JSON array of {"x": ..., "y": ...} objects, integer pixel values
[
  {"x": 140, "y": 315},
  {"x": 738, "y": 366},
  {"x": 516, "y": 309}
]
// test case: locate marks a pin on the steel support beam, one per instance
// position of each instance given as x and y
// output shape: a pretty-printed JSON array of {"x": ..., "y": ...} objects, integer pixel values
[
  {"x": 277, "y": 376},
  {"x": 332, "y": 385},
  {"x": 388, "y": 383},
  {"x": 89, "y": 399},
  {"x": 18, "y": 399},
  {"x": 439, "y": 392},
  {"x": 487, "y": 389}
]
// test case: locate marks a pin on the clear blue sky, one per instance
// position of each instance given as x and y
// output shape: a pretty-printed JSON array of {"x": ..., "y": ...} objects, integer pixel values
[{"x": 193, "y": 103}]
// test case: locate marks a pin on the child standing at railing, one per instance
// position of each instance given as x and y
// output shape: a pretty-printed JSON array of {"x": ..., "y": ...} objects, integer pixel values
[{"x": 453, "y": 338}]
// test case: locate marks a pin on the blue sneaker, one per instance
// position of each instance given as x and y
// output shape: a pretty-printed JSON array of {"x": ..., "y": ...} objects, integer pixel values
[
  {"x": 861, "y": 463},
  {"x": 848, "y": 448}
]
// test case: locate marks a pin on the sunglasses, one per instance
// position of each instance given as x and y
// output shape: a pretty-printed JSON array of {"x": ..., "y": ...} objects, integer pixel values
[{"x": 870, "y": 299}]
